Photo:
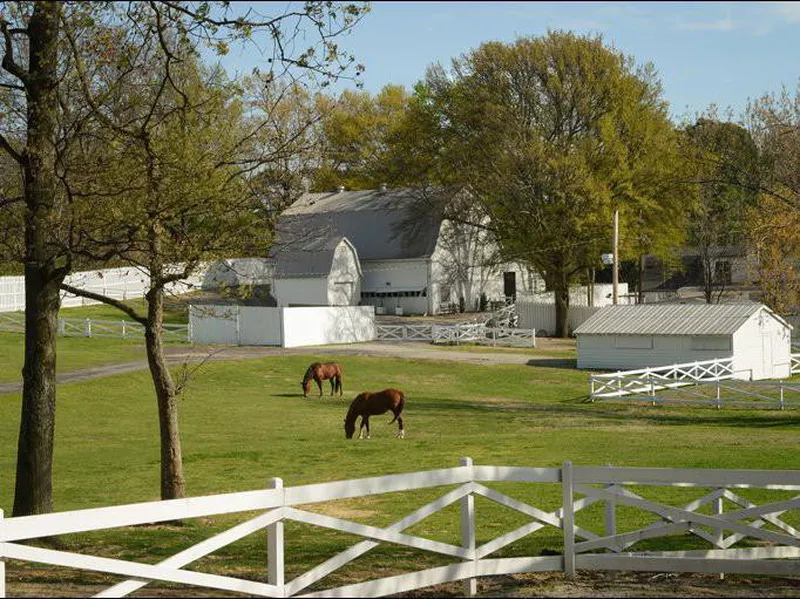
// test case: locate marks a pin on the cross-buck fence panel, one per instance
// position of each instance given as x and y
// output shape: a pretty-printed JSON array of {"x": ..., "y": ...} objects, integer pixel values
[
  {"x": 708, "y": 382},
  {"x": 87, "y": 327},
  {"x": 739, "y": 534}
]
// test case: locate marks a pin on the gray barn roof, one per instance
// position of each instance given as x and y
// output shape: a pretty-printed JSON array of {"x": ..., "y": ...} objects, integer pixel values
[
  {"x": 671, "y": 319},
  {"x": 382, "y": 225},
  {"x": 314, "y": 259}
]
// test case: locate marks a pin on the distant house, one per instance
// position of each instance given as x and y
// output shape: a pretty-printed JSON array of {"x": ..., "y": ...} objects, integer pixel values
[
  {"x": 323, "y": 272},
  {"x": 639, "y": 336},
  {"x": 411, "y": 262}
]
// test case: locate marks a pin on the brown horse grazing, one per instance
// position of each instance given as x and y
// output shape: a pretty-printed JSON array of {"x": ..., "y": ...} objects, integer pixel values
[
  {"x": 372, "y": 404},
  {"x": 320, "y": 372}
]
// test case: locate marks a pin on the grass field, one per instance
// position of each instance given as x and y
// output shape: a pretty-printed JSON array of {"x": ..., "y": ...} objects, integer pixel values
[{"x": 245, "y": 422}]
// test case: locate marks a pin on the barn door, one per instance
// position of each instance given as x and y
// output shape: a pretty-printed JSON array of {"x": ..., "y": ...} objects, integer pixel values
[
  {"x": 510, "y": 285},
  {"x": 766, "y": 356}
]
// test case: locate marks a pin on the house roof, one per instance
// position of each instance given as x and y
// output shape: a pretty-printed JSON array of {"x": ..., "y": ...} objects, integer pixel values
[
  {"x": 314, "y": 259},
  {"x": 382, "y": 225},
  {"x": 671, "y": 319}
]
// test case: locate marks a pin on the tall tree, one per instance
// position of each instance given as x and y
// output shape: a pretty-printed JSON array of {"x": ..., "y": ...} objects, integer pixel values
[
  {"x": 550, "y": 135},
  {"x": 43, "y": 43},
  {"x": 355, "y": 131},
  {"x": 726, "y": 164}
]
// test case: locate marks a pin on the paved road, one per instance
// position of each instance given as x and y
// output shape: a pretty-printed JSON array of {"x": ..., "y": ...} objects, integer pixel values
[{"x": 195, "y": 354}]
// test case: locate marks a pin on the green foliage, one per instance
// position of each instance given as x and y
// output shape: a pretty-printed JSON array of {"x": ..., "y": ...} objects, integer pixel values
[
  {"x": 355, "y": 131},
  {"x": 550, "y": 135}
]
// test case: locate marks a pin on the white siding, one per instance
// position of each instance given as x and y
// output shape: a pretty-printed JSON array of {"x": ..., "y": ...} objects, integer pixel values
[
  {"x": 542, "y": 317},
  {"x": 299, "y": 291},
  {"x": 344, "y": 282},
  {"x": 762, "y": 347},
  {"x": 401, "y": 276},
  {"x": 320, "y": 326},
  {"x": 604, "y": 351}
]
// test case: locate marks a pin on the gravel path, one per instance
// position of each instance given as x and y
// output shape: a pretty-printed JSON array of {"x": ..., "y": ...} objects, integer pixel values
[{"x": 194, "y": 354}]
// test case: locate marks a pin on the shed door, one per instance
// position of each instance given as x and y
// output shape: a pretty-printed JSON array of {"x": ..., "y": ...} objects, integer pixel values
[{"x": 766, "y": 356}]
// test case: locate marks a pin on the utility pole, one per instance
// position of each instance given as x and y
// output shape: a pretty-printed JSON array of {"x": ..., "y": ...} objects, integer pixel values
[{"x": 615, "y": 266}]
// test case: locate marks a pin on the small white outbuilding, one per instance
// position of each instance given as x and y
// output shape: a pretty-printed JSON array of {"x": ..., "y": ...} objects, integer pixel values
[
  {"x": 641, "y": 336},
  {"x": 323, "y": 272}
]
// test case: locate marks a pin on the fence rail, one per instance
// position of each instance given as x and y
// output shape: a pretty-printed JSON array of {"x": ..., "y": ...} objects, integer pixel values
[
  {"x": 87, "y": 327},
  {"x": 718, "y": 516},
  {"x": 649, "y": 380},
  {"x": 457, "y": 333}
]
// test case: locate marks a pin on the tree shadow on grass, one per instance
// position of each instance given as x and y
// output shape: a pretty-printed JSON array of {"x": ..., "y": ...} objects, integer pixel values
[
  {"x": 577, "y": 408},
  {"x": 563, "y": 363}
]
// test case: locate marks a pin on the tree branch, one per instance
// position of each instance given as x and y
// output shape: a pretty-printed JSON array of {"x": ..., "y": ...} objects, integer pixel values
[{"x": 106, "y": 300}]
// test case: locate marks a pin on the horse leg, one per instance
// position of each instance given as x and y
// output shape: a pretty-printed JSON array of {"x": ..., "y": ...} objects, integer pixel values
[
  {"x": 365, "y": 422},
  {"x": 361, "y": 427},
  {"x": 401, "y": 432},
  {"x": 333, "y": 385},
  {"x": 319, "y": 384},
  {"x": 339, "y": 384}
]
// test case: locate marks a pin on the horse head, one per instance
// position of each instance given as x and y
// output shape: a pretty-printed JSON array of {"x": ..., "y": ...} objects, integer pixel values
[{"x": 349, "y": 427}]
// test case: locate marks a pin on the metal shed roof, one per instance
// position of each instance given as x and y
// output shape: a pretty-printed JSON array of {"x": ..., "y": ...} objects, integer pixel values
[{"x": 671, "y": 319}]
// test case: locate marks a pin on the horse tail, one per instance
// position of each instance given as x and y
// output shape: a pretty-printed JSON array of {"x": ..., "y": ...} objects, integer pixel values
[{"x": 401, "y": 404}]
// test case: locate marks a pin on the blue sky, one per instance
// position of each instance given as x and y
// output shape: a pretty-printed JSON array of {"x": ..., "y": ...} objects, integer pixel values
[{"x": 706, "y": 53}]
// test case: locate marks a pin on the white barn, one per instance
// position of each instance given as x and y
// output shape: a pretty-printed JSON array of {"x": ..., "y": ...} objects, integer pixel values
[
  {"x": 321, "y": 272},
  {"x": 411, "y": 260},
  {"x": 641, "y": 336}
]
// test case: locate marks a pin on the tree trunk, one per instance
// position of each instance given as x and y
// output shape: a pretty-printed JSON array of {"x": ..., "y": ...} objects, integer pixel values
[
  {"x": 173, "y": 485},
  {"x": 561, "y": 294},
  {"x": 33, "y": 490},
  {"x": 640, "y": 299}
]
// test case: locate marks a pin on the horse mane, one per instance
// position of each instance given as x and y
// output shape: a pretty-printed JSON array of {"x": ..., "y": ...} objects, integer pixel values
[{"x": 310, "y": 372}]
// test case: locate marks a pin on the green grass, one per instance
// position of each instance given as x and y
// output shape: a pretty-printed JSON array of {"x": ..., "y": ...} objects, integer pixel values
[
  {"x": 176, "y": 311},
  {"x": 245, "y": 422},
  {"x": 73, "y": 353}
]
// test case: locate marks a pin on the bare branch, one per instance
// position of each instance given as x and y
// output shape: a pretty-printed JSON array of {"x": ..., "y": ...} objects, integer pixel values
[{"x": 106, "y": 300}]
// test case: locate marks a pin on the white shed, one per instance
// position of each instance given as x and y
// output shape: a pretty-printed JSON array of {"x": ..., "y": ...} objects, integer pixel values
[
  {"x": 327, "y": 273},
  {"x": 640, "y": 336}
]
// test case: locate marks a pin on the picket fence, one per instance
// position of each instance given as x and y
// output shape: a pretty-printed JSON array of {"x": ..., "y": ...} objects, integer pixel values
[
  {"x": 87, "y": 327},
  {"x": 718, "y": 516},
  {"x": 455, "y": 334}
]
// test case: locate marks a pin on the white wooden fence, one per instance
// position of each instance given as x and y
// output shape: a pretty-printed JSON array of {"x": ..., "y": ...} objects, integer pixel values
[
  {"x": 649, "y": 380},
  {"x": 718, "y": 516},
  {"x": 456, "y": 333},
  {"x": 699, "y": 383},
  {"x": 542, "y": 317},
  {"x": 87, "y": 327}
]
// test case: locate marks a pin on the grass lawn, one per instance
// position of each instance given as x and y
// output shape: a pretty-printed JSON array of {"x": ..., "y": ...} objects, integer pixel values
[
  {"x": 245, "y": 422},
  {"x": 73, "y": 353}
]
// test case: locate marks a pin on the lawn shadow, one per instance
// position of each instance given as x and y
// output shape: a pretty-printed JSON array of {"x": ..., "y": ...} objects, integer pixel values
[{"x": 564, "y": 363}]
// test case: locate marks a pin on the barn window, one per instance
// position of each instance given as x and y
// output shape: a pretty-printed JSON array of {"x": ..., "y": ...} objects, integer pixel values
[
  {"x": 633, "y": 342},
  {"x": 711, "y": 343}
]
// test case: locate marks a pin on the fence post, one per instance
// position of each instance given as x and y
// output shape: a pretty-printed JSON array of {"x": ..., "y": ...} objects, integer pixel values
[
  {"x": 61, "y": 327},
  {"x": 87, "y": 327},
  {"x": 275, "y": 573},
  {"x": 610, "y": 513},
  {"x": 719, "y": 533},
  {"x": 718, "y": 395},
  {"x": 652, "y": 390},
  {"x": 568, "y": 520},
  {"x": 2, "y": 560},
  {"x": 781, "y": 384},
  {"x": 468, "y": 530},
  {"x": 124, "y": 336}
]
